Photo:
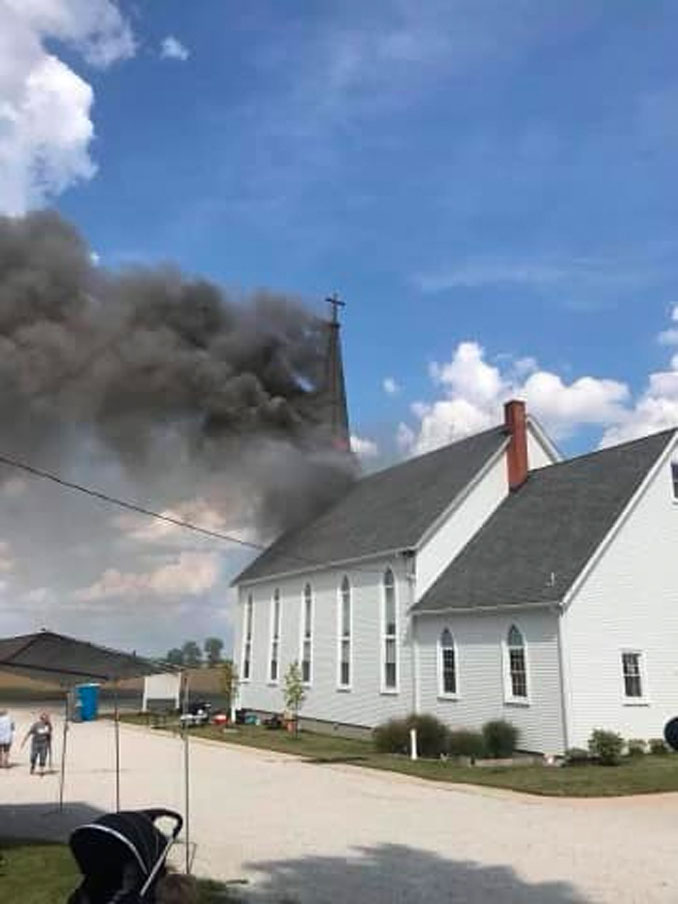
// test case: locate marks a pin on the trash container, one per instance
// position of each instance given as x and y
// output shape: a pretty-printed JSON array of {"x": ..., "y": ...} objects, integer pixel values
[{"x": 88, "y": 701}]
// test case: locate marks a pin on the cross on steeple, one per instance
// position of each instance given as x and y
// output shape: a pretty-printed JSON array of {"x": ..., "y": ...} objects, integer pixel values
[{"x": 336, "y": 303}]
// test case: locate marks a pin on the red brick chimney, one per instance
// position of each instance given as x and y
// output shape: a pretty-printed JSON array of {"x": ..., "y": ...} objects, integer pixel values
[{"x": 515, "y": 422}]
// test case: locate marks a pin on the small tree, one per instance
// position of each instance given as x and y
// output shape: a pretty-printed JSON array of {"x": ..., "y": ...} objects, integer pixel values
[
  {"x": 293, "y": 692},
  {"x": 175, "y": 656},
  {"x": 192, "y": 654},
  {"x": 229, "y": 680},
  {"x": 213, "y": 647}
]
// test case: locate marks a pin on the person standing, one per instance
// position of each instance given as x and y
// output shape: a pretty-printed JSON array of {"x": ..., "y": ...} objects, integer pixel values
[
  {"x": 40, "y": 734},
  {"x": 6, "y": 737}
]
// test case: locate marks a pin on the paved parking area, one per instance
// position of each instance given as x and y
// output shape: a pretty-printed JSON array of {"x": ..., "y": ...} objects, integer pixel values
[{"x": 320, "y": 833}]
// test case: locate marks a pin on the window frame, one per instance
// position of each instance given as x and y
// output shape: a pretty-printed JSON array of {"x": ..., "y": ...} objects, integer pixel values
[
  {"x": 442, "y": 693},
  {"x": 247, "y": 640},
  {"x": 643, "y": 699},
  {"x": 275, "y": 641},
  {"x": 674, "y": 479},
  {"x": 344, "y": 592},
  {"x": 509, "y": 697},
  {"x": 389, "y": 638},
  {"x": 304, "y": 638}
]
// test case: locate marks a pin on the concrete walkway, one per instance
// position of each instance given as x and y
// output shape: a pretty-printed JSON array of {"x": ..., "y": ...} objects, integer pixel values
[{"x": 320, "y": 833}]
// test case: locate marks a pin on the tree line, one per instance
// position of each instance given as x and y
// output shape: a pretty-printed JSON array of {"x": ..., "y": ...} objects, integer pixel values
[{"x": 193, "y": 656}]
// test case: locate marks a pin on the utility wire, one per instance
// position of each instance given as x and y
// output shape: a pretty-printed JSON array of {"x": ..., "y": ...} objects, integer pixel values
[
  {"x": 169, "y": 519},
  {"x": 122, "y": 503}
]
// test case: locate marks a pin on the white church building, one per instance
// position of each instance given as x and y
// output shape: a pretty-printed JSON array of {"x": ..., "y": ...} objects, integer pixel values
[{"x": 487, "y": 579}]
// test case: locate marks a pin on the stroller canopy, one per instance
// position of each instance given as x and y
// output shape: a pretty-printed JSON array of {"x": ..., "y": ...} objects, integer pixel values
[
  {"x": 116, "y": 839},
  {"x": 121, "y": 854}
]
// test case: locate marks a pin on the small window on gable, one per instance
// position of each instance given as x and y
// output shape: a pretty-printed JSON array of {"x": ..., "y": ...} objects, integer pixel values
[
  {"x": 674, "y": 476},
  {"x": 633, "y": 679},
  {"x": 517, "y": 664}
]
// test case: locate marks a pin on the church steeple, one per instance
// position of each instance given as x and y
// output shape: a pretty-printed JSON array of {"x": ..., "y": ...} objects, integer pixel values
[{"x": 335, "y": 388}]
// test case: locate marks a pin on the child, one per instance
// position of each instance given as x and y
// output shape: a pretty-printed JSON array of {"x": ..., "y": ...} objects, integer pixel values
[{"x": 6, "y": 738}]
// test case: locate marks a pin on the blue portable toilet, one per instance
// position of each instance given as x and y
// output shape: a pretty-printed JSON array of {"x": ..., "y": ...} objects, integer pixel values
[{"x": 88, "y": 701}]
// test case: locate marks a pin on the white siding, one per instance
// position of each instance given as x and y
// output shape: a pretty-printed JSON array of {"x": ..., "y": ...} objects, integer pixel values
[
  {"x": 479, "y": 642},
  {"x": 629, "y": 601},
  {"x": 537, "y": 455},
  {"x": 364, "y": 704},
  {"x": 462, "y": 523}
]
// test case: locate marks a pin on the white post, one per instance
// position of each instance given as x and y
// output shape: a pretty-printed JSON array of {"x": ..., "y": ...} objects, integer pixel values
[{"x": 413, "y": 744}]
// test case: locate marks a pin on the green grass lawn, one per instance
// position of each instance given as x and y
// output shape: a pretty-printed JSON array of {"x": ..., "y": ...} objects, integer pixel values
[
  {"x": 40, "y": 873},
  {"x": 637, "y": 775}
]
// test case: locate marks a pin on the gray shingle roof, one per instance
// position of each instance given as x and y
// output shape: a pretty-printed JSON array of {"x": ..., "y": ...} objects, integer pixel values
[
  {"x": 540, "y": 538},
  {"x": 384, "y": 511}
]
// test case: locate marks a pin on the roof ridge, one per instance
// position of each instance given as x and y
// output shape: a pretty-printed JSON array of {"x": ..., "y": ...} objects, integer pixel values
[
  {"x": 595, "y": 452},
  {"x": 498, "y": 428}
]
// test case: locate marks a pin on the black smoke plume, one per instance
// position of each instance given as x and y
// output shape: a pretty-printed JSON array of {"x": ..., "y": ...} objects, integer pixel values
[{"x": 179, "y": 384}]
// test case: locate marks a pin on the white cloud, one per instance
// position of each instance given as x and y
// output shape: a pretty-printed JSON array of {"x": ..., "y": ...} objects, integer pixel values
[
  {"x": 668, "y": 337},
  {"x": 364, "y": 448},
  {"x": 45, "y": 106},
  {"x": 190, "y": 574},
  {"x": 198, "y": 511},
  {"x": 656, "y": 409},
  {"x": 390, "y": 386},
  {"x": 475, "y": 390},
  {"x": 172, "y": 49}
]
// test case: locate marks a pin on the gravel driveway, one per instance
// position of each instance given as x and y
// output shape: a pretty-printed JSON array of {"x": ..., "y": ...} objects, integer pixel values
[{"x": 332, "y": 833}]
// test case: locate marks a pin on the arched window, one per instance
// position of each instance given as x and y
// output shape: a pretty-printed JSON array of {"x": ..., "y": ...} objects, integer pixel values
[
  {"x": 307, "y": 634},
  {"x": 390, "y": 632},
  {"x": 517, "y": 663},
  {"x": 247, "y": 639},
  {"x": 448, "y": 664},
  {"x": 274, "y": 664},
  {"x": 345, "y": 633}
]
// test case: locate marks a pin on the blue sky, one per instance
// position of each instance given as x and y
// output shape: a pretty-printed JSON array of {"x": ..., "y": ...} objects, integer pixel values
[
  {"x": 490, "y": 186},
  {"x": 501, "y": 173}
]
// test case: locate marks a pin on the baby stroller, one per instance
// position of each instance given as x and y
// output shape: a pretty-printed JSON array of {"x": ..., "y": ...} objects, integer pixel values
[{"x": 122, "y": 856}]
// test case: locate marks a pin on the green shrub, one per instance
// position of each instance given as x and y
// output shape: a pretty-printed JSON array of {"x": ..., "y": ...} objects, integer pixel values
[
  {"x": 658, "y": 747},
  {"x": 606, "y": 747},
  {"x": 500, "y": 738},
  {"x": 636, "y": 747},
  {"x": 432, "y": 735},
  {"x": 577, "y": 756},
  {"x": 463, "y": 742},
  {"x": 392, "y": 736}
]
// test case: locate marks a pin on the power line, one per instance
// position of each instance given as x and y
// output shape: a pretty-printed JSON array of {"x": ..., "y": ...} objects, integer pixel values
[
  {"x": 122, "y": 503},
  {"x": 150, "y": 513}
]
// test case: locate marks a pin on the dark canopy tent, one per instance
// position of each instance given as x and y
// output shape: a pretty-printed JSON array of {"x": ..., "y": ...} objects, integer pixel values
[{"x": 67, "y": 662}]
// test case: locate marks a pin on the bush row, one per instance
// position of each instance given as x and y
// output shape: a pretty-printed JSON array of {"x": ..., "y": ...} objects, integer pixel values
[
  {"x": 608, "y": 748},
  {"x": 434, "y": 739}
]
